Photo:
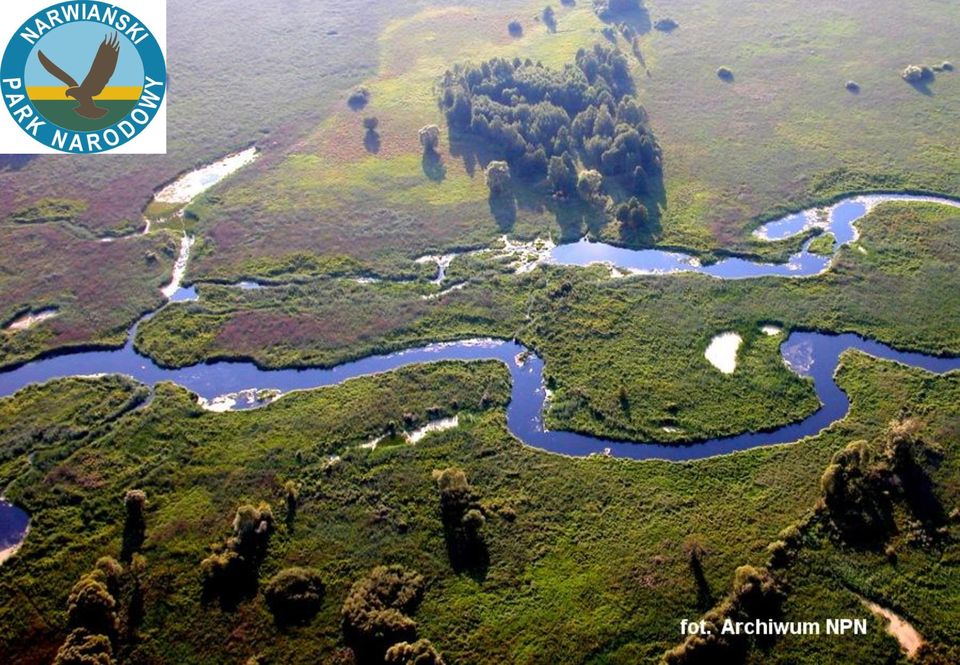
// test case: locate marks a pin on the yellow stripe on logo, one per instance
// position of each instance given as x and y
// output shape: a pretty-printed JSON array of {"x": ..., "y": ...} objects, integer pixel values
[{"x": 58, "y": 93}]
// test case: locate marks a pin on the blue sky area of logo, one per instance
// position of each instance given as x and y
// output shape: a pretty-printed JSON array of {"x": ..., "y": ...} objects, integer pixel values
[{"x": 13, "y": 81}]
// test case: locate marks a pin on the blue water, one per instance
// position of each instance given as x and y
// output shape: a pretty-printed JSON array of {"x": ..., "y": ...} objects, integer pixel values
[
  {"x": 840, "y": 222},
  {"x": 813, "y": 355},
  {"x": 13, "y": 525}
]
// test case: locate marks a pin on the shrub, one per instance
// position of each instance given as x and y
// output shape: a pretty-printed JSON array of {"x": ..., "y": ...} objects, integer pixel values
[
  {"x": 430, "y": 139},
  {"x": 376, "y": 611},
  {"x": 515, "y": 29},
  {"x": 85, "y": 648},
  {"x": 853, "y": 86},
  {"x": 294, "y": 594},
  {"x": 498, "y": 177},
  {"x": 725, "y": 73},
  {"x": 666, "y": 25},
  {"x": 421, "y": 652},
  {"x": 292, "y": 500},
  {"x": 358, "y": 98},
  {"x": 947, "y": 66}
]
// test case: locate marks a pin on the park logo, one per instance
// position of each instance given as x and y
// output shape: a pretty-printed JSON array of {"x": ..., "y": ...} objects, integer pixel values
[{"x": 83, "y": 78}]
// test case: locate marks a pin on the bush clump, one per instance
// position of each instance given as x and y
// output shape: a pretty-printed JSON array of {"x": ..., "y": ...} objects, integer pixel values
[
  {"x": 917, "y": 74},
  {"x": 294, "y": 595},
  {"x": 725, "y": 73},
  {"x": 231, "y": 570},
  {"x": 376, "y": 611},
  {"x": 853, "y": 86},
  {"x": 85, "y": 648},
  {"x": 666, "y": 25},
  {"x": 463, "y": 519},
  {"x": 421, "y": 652},
  {"x": 515, "y": 28}
]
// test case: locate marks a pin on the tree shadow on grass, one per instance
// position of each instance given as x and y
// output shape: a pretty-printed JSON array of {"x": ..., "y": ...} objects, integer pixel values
[
  {"x": 371, "y": 141},
  {"x": 433, "y": 166},
  {"x": 503, "y": 207},
  {"x": 923, "y": 86}
]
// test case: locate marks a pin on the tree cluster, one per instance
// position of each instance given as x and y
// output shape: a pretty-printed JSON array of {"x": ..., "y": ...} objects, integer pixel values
[
  {"x": 463, "y": 520},
  {"x": 862, "y": 482},
  {"x": 294, "y": 595},
  {"x": 544, "y": 122},
  {"x": 231, "y": 571},
  {"x": 104, "y": 606},
  {"x": 376, "y": 612}
]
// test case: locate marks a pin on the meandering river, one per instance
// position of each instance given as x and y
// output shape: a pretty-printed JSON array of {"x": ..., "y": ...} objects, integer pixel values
[{"x": 809, "y": 354}]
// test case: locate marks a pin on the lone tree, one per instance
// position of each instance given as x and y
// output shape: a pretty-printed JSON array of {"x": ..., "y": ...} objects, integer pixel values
[
  {"x": 498, "y": 177},
  {"x": 430, "y": 139},
  {"x": 135, "y": 523},
  {"x": 294, "y": 595},
  {"x": 85, "y": 648},
  {"x": 515, "y": 29},
  {"x": 421, "y": 652},
  {"x": 376, "y": 611},
  {"x": 358, "y": 98}
]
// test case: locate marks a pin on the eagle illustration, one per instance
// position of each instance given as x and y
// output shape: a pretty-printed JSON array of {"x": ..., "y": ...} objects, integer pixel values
[{"x": 104, "y": 64}]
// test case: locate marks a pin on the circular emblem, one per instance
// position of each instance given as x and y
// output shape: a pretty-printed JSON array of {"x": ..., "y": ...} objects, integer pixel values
[{"x": 83, "y": 77}]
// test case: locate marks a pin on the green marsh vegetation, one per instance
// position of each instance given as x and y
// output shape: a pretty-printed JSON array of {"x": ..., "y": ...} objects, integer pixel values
[
  {"x": 603, "y": 339},
  {"x": 608, "y": 542}
]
